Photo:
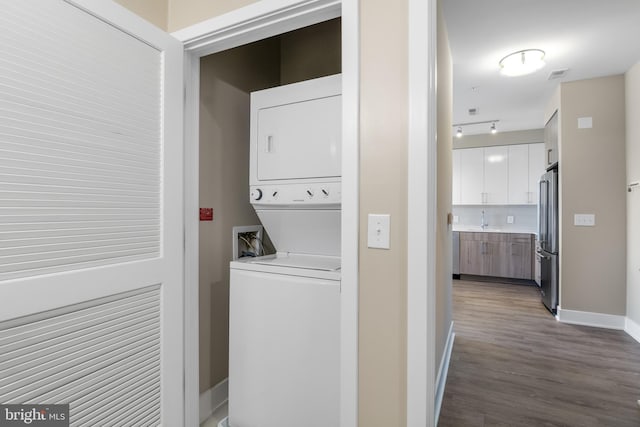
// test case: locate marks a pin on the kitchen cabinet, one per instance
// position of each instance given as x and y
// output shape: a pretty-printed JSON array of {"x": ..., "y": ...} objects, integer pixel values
[
  {"x": 551, "y": 141},
  {"x": 471, "y": 176},
  {"x": 519, "y": 175},
  {"x": 482, "y": 175},
  {"x": 526, "y": 165},
  {"x": 536, "y": 169},
  {"x": 498, "y": 175},
  {"x": 507, "y": 255},
  {"x": 520, "y": 250}
]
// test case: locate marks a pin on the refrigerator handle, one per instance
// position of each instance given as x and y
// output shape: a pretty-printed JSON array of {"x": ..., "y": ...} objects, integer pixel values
[{"x": 544, "y": 212}]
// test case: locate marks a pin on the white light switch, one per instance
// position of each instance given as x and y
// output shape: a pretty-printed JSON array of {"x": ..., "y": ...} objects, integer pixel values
[
  {"x": 509, "y": 219},
  {"x": 456, "y": 219},
  {"x": 584, "y": 220},
  {"x": 378, "y": 231}
]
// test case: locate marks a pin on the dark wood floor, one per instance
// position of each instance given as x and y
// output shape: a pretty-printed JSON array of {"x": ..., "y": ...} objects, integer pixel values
[{"x": 513, "y": 364}]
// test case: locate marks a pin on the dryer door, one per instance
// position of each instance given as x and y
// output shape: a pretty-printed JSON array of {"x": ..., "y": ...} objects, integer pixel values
[{"x": 300, "y": 140}]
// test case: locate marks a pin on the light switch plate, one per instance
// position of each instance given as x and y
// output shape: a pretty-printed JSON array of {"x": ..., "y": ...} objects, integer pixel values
[
  {"x": 585, "y": 122},
  {"x": 456, "y": 219},
  {"x": 378, "y": 231},
  {"x": 584, "y": 220},
  {"x": 510, "y": 219}
]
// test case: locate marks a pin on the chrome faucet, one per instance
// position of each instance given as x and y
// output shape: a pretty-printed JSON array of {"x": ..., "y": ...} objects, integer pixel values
[{"x": 483, "y": 224}]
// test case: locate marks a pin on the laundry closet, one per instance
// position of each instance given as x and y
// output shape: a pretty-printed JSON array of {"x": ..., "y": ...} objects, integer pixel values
[{"x": 226, "y": 81}]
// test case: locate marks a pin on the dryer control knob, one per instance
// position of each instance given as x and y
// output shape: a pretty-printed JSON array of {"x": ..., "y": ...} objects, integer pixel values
[
  {"x": 309, "y": 193},
  {"x": 325, "y": 192},
  {"x": 256, "y": 194}
]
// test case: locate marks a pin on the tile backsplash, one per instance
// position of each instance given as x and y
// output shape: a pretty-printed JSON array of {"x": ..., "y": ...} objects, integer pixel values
[{"x": 525, "y": 218}]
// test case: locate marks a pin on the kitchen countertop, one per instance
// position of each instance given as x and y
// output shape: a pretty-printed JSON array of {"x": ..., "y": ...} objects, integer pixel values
[{"x": 477, "y": 229}]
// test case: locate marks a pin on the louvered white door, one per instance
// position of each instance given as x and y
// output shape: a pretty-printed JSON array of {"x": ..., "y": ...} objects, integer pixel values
[{"x": 91, "y": 249}]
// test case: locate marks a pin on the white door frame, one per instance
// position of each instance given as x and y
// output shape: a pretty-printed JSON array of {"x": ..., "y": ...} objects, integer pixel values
[
  {"x": 422, "y": 215},
  {"x": 254, "y": 22}
]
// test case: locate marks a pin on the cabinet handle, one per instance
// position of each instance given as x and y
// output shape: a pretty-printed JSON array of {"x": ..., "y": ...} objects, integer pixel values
[
  {"x": 269, "y": 145},
  {"x": 548, "y": 158}
]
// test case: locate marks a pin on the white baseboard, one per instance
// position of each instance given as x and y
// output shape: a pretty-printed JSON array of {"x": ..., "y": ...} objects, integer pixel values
[
  {"x": 441, "y": 379},
  {"x": 211, "y": 399},
  {"x": 632, "y": 328},
  {"x": 587, "y": 318}
]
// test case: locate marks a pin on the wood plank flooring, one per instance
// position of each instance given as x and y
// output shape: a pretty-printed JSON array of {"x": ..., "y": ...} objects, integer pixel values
[{"x": 513, "y": 364}]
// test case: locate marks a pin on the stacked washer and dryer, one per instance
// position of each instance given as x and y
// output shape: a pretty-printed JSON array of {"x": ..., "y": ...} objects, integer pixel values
[{"x": 284, "y": 325}]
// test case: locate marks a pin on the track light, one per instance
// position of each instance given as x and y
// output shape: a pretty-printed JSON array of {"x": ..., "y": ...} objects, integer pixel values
[{"x": 493, "y": 129}]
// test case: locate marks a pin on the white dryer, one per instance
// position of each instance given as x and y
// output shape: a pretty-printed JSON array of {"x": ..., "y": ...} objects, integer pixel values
[{"x": 284, "y": 320}]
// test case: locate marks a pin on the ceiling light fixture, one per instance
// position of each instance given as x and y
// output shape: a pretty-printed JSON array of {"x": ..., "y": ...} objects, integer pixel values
[
  {"x": 493, "y": 128},
  {"x": 522, "y": 62}
]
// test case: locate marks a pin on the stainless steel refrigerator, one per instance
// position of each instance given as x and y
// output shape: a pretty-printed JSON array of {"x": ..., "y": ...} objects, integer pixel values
[{"x": 548, "y": 235}]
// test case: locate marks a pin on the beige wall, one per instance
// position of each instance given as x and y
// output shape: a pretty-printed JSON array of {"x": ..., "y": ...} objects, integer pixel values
[
  {"x": 226, "y": 80},
  {"x": 632, "y": 85},
  {"x": 383, "y": 189},
  {"x": 592, "y": 180},
  {"x": 445, "y": 172},
  {"x": 173, "y": 15},
  {"x": 154, "y": 11},
  {"x": 530, "y": 136}
]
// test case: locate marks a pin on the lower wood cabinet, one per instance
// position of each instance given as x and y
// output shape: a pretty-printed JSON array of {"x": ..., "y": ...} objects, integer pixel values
[{"x": 497, "y": 254}]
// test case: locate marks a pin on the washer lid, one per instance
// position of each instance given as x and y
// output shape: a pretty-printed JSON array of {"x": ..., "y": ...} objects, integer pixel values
[
  {"x": 303, "y": 231},
  {"x": 313, "y": 262}
]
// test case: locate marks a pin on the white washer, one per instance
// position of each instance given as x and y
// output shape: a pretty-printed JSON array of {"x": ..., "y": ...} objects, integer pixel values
[{"x": 284, "y": 341}]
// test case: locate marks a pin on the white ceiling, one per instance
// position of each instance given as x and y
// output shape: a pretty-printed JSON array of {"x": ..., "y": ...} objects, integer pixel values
[{"x": 592, "y": 38}]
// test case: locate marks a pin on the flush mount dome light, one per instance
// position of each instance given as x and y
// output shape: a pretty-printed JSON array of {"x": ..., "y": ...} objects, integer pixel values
[{"x": 522, "y": 62}]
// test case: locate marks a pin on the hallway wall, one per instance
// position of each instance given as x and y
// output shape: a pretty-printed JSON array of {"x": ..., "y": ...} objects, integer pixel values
[
  {"x": 632, "y": 80},
  {"x": 592, "y": 180}
]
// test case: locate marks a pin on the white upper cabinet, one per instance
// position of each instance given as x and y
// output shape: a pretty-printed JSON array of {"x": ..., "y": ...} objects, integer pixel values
[
  {"x": 519, "y": 191},
  {"x": 536, "y": 169},
  {"x": 471, "y": 176},
  {"x": 496, "y": 175},
  {"x": 456, "y": 184},
  {"x": 526, "y": 165}
]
